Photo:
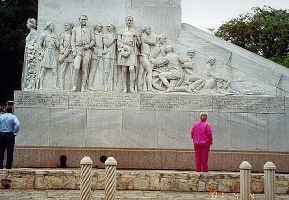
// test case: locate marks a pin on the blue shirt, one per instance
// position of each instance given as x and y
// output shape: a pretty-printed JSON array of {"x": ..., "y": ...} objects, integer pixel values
[{"x": 9, "y": 123}]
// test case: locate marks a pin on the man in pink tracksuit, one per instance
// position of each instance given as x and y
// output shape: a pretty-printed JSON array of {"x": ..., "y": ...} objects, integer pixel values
[{"x": 202, "y": 140}]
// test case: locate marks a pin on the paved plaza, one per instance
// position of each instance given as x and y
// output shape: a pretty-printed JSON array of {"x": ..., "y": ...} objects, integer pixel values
[{"x": 123, "y": 195}]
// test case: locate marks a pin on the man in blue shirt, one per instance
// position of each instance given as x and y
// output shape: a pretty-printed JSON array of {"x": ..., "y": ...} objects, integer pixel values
[{"x": 9, "y": 126}]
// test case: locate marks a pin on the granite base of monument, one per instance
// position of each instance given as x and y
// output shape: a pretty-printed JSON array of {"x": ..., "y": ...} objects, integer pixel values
[{"x": 149, "y": 131}]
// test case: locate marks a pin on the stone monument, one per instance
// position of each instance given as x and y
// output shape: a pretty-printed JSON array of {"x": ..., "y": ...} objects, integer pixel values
[{"x": 131, "y": 84}]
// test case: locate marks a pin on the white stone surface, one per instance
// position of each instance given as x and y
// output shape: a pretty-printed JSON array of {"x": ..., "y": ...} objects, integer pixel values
[
  {"x": 278, "y": 132},
  {"x": 253, "y": 71},
  {"x": 139, "y": 128},
  {"x": 160, "y": 120},
  {"x": 137, "y": 125},
  {"x": 67, "y": 126},
  {"x": 35, "y": 127},
  {"x": 238, "y": 70},
  {"x": 103, "y": 128},
  {"x": 166, "y": 15}
]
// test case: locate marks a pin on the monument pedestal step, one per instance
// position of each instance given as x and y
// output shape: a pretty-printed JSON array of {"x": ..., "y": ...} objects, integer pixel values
[
  {"x": 139, "y": 180},
  {"x": 149, "y": 159}
]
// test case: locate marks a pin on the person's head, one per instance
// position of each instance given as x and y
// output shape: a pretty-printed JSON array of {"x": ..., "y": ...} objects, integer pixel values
[
  {"x": 110, "y": 28},
  {"x": 203, "y": 116},
  {"x": 129, "y": 21},
  {"x": 98, "y": 28},
  {"x": 68, "y": 27},
  {"x": 10, "y": 107},
  {"x": 83, "y": 20},
  {"x": 31, "y": 23},
  {"x": 147, "y": 29},
  {"x": 2, "y": 109}
]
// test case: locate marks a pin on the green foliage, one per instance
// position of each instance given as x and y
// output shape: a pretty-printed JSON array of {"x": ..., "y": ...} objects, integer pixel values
[
  {"x": 264, "y": 31},
  {"x": 282, "y": 60}
]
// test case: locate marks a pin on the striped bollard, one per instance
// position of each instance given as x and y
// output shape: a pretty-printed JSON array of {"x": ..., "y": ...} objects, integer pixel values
[
  {"x": 269, "y": 180},
  {"x": 245, "y": 180},
  {"x": 85, "y": 178},
  {"x": 110, "y": 178}
]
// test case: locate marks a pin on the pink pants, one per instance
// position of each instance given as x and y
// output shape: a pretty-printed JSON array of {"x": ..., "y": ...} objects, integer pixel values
[{"x": 201, "y": 157}]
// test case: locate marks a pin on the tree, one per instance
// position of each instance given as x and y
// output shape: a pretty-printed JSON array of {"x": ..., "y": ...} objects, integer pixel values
[
  {"x": 14, "y": 14},
  {"x": 264, "y": 31}
]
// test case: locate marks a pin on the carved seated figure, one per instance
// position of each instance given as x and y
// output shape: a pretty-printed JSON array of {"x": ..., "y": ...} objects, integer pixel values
[
  {"x": 172, "y": 74},
  {"x": 209, "y": 79},
  {"x": 189, "y": 75}
]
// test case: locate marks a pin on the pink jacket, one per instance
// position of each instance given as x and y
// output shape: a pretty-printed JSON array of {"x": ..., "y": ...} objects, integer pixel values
[{"x": 202, "y": 133}]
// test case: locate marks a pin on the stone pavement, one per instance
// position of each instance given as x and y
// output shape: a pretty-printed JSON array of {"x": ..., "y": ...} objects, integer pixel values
[{"x": 122, "y": 195}]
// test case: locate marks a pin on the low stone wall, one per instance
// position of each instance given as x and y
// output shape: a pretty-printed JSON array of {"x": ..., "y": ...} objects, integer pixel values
[{"x": 178, "y": 181}]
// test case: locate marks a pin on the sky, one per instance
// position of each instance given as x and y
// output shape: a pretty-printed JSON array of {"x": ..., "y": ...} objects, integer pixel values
[{"x": 212, "y": 13}]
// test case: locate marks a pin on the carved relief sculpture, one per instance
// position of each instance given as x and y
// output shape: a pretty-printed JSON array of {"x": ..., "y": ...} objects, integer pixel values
[
  {"x": 31, "y": 57},
  {"x": 109, "y": 41},
  {"x": 172, "y": 74},
  {"x": 49, "y": 44},
  {"x": 96, "y": 75},
  {"x": 82, "y": 43},
  {"x": 107, "y": 61},
  {"x": 65, "y": 57},
  {"x": 127, "y": 56},
  {"x": 149, "y": 42}
]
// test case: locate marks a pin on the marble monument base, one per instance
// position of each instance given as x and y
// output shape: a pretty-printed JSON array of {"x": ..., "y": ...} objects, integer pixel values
[
  {"x": 157, "y": 159},
  {"x": 149, "y": 131}
]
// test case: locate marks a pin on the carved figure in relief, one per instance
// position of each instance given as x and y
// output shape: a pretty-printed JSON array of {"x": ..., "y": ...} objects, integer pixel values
[
  {"x": 31, "y": 57},
  {"x": 172, "y": 74},
  {"x": 49, "y": 44},
  {"x": 159, "y": 51},
  {"x": 82, "y": 43},
  {"x": 190, "y": 77},
  {"x": 149, "y": 42},
  {"x": 128, "y": 43},
  {"x": 109, "y": 54},
  {"x": 209, "y": 80},
  {"x": 96, "y": 76},
  {"x": 65, "y": 55}
]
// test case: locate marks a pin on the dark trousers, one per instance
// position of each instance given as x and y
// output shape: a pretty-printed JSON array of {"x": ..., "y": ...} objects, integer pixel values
[{"x": 7, "y": 142}]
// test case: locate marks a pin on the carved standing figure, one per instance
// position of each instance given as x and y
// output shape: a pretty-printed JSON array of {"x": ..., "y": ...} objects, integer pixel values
[
  {"x": 127, "y": 57},
  {"x": 49, "y": 44},
  {"x": 109, "y": 41},
  {"x": 65, "y": 57},
  {"x": 31, "y": 57},
  {"x": 149, "y": 42},
  {"x": 96, "y": 75},
  {"x": 82, "y": 43}
]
